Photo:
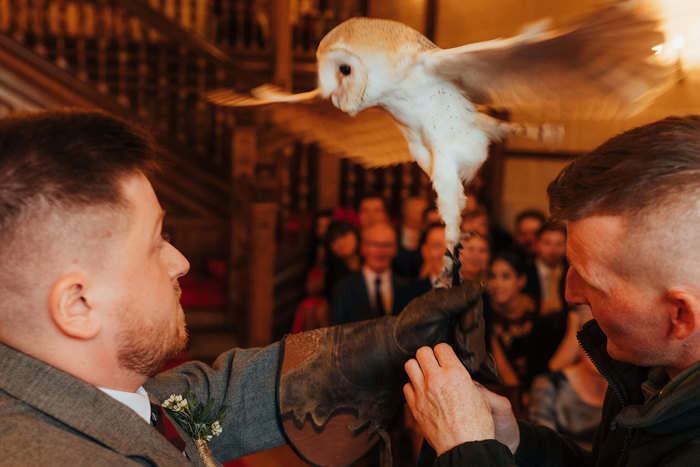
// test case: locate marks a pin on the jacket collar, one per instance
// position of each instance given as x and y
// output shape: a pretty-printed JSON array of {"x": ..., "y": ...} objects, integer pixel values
[
  {"x": 659, "y": 415},
  {"x": 82, "y": 407},
  {"x": 623, "y": 378}
]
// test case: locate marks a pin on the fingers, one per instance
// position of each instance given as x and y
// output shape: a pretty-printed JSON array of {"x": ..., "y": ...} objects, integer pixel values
[
  {"x": 446, "y": 356},
  {"x": 426, "y": 359},
  {"x": 415, "y": 374}
]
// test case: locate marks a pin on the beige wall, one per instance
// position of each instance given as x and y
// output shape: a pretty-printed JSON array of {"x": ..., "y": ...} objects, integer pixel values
[{"x": 525, "y": 181}]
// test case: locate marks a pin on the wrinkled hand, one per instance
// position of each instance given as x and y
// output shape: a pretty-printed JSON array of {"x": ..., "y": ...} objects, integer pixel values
[{"x": 450, "y": 408}]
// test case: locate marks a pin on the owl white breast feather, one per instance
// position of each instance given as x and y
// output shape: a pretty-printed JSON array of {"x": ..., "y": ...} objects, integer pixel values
[{"x": 433, "y": 93}]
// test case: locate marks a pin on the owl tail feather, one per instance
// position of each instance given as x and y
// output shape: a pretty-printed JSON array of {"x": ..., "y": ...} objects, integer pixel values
[{"x": 498, "y": 130}]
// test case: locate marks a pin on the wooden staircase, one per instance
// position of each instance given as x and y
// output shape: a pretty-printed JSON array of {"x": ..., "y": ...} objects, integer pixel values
[{"x": 223, "y": 184}]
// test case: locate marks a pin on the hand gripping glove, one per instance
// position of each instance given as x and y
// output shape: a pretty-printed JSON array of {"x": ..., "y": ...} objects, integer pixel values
[{"x": 339, "y": 387}]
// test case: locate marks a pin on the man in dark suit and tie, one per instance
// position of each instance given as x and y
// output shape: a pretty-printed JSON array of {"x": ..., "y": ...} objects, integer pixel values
[
  {"x": 370, "y": 292},
  {"x": 89, "y": 312}
]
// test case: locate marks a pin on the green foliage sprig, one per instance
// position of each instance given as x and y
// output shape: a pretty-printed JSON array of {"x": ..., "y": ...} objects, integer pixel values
[{"x": 199, "y": 421}]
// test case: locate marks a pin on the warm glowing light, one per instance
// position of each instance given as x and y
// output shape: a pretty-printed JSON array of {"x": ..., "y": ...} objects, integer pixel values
[{"x": 658, "y": 49}]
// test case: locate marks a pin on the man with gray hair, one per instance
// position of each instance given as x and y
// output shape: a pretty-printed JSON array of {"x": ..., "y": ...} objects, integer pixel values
[{"x": 632, "y": 211}]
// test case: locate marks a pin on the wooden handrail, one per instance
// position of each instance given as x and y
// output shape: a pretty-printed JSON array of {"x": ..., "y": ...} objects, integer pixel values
[
  {"x": 172, "y": 30},
  {"x": 208, "y": 190}
]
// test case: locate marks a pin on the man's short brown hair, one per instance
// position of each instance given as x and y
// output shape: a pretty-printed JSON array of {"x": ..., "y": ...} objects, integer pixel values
[
  {"x": 643, "y": 167},
  {"x": 65, "y": 159}
]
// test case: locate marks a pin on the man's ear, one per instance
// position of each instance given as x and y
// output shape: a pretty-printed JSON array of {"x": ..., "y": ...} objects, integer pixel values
[
  {"x": 70, "y": 309},
  {"x": 684, "y": 310}
]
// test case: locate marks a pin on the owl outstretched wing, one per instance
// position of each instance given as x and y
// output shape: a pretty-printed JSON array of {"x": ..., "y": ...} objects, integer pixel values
[
  {"x": 604, "y": 67},
  {"x": 372, "y": 138}
]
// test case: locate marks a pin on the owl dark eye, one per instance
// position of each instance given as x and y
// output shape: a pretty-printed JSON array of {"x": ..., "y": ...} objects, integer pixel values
[{"x": 345, "y": 69}]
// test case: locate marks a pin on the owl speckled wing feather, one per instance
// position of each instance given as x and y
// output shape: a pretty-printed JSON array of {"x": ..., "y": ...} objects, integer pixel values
[{"x": 604, "y": 66}]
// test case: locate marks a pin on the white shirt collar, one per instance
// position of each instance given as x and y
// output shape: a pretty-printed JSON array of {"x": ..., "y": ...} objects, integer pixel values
[{"x": 137, "y": 401}]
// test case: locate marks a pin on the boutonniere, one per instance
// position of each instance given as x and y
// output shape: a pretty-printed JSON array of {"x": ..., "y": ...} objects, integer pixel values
[{"x": 200, "y": 422}]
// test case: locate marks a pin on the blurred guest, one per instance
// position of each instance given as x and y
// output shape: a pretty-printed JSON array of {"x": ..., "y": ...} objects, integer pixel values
[
  {"x": 512, "y": 315},
  {"x": 476, "y": 220},
  {"x": 527, "y": 224},
  {"x": 546, "y": 284},
  {"x": 432, "y": 250},
  {"x": 372, "y": 208},
  {"x": 408, "y": 259},
  {"x": 369, "y": 293},
  {"x": 547, "y": 274},
  {"x": 474, "y": 256}
]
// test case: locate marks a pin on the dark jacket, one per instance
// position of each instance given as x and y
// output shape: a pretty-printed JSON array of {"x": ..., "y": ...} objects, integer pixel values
[
  {"x": 350, "y": 299},
  {"x": 664, "y": 430}
]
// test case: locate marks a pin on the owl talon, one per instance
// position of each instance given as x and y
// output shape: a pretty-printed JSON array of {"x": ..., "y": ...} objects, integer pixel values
[{"x": 450, "y": 272}]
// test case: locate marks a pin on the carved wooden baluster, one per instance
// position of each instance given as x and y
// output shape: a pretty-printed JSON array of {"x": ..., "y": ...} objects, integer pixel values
[
  {"x": 163, "y": 108},
  {"x": 169, "y": 9},
  {"x": 181, "y": 116},
  {"x": 19, "y": 13},
  {"x": 5, "y": 17},
  {"x": 388, "y": 192},
  {"x": 239, "y": 25},
  {"x": 143, "y": 74},
  {"x": 221, "y": 28},
  {"x": 351, "y": 184},
  {"x": 103, "y": 25},
  {"x": 202, "y": 11},
  {"x": 222, "y": 122},
  {"x": 185, "y": 15},
  {"x": 285, "y": 180},
  {"x": 122, "y": 40},
  {"x": 59, "y": 31},
  {"x": 37, "y": 26},
  {"x": 80, "y": 32},
  {"x": 303, "y": 189},
  {"x": 201, "y": 130},
  {"x": 406, "y": 181}
]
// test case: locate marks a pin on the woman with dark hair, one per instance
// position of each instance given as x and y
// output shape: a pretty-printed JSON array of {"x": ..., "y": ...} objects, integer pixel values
[{"x": 512, "y": 316}]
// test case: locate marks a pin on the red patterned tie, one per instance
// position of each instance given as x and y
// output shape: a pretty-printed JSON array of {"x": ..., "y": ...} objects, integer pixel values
[{"x": 166, "y": 428}]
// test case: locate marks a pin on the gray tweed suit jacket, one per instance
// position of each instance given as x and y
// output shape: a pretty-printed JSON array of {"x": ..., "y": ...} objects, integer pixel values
[{"x": 50, "y": 418}]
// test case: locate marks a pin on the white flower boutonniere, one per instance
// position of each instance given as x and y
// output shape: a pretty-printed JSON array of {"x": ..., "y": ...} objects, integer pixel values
[{"x": 200, "y": 422}]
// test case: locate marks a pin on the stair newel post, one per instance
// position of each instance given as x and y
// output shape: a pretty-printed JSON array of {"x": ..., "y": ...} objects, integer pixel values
[
  {"x": 243, "y": 157},
  {"x": 262, "y": 272}
]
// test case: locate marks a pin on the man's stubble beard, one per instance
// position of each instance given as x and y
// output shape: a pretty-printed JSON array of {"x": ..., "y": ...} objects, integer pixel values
[{"x": 143, "y": 349}]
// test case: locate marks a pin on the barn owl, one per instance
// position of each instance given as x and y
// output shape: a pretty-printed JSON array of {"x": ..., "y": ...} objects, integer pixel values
[{"x": 435, "y": 95}]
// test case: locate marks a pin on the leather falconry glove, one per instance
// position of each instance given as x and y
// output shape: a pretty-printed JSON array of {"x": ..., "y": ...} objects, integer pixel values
[{"x": 339, "y": 387}]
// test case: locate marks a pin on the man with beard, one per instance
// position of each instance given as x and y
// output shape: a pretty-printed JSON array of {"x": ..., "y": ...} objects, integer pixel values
[
  {"x": 89, "y": 311},
  {"x": 632, "y": 210}
]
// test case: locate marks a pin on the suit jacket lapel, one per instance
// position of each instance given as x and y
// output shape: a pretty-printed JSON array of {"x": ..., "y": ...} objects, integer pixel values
[{"x": 84, "y": 408}]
